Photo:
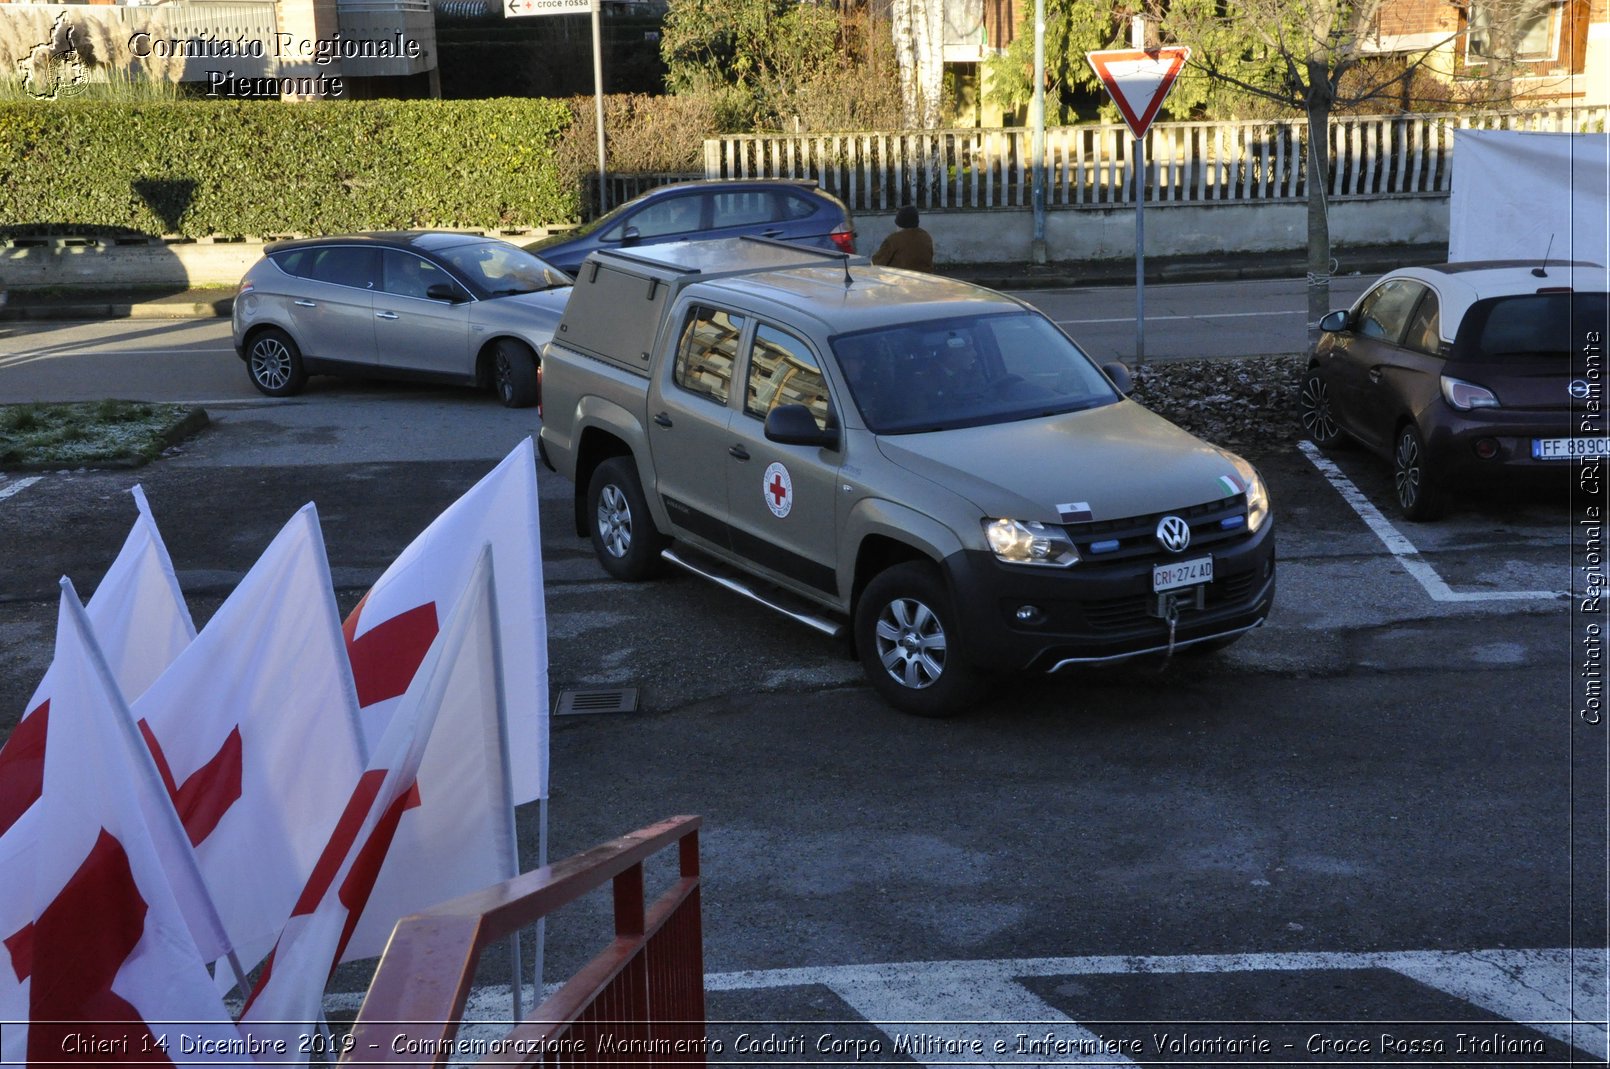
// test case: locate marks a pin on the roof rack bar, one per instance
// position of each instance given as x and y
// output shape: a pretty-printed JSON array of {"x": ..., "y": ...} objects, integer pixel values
[
  {"x": 831, "y": 254},
  {"x": 624, "y": 255}
]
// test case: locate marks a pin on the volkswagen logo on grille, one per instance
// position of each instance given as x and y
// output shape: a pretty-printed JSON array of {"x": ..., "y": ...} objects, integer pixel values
[{"x": 1173, "y": 534}]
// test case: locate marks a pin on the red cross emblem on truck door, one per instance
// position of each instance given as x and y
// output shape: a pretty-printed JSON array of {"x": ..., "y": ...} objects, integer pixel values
[{"x": 779, "y": 490}]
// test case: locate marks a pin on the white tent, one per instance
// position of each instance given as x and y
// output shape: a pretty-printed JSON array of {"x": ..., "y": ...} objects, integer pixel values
[{"x": 1514, "y": 192}]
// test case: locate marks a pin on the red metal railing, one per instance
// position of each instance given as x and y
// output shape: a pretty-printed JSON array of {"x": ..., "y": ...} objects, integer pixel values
[{"x": 640, "y": 1001}]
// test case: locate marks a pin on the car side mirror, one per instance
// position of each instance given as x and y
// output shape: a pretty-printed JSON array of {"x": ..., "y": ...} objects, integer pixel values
[
  {"x": 1120, "y": 376},
  {"x": 794, "y": 425},
  {"x": 444, "y": 291},
  {"x": 1334, "y": 321},
  {"x": 630, "y": 235}
]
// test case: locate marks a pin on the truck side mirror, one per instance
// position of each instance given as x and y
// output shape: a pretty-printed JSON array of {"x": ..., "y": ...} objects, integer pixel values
[
  {"x": 794, "y": 425},
  {"x": 1334, "y": 321}
]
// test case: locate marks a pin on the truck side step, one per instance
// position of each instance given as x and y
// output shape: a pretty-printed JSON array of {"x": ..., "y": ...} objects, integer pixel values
[{"x": 796, "y": 609}]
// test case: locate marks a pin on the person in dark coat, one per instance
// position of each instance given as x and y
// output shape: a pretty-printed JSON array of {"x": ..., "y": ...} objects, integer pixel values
[{"x": 910, "y": 246}]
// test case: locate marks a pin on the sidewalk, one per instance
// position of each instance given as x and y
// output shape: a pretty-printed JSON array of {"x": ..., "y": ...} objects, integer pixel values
[{"x": 92, "y": 303}]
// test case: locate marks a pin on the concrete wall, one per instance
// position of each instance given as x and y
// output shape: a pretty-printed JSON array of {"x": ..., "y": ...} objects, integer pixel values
[
  {"x": 1005, "y": 235},
  {"x": 1000, "y": 235}
]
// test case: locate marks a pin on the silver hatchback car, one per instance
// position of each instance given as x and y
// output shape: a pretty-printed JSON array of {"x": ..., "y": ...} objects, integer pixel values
[{"x": 426, "y": 305}]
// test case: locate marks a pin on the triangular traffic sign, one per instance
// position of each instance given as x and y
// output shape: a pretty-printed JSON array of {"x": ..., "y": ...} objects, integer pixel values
[{"x": 1139, "y": 81}]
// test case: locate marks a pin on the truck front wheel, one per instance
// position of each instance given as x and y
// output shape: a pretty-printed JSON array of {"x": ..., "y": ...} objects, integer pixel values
[
  {"x": 624, "y": 536},
  {"x": 909, "y": 645}
]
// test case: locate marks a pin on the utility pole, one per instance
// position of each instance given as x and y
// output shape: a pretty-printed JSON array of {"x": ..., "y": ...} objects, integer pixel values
[{"x": 1037, "y": 123}]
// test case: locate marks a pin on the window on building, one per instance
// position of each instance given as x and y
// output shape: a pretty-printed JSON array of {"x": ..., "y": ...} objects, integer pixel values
[{"x": 1531, "y": 25}]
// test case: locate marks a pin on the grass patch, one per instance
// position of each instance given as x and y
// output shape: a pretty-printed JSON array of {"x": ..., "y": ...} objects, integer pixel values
[{"x": 92, "y": 433}]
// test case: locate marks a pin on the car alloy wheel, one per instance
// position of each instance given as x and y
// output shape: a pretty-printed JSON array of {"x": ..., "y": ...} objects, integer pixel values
[
  {"x": 271, "y": 363},
  {"x": 1418, "y": 496},
  {"x": 1319, "y": 423},
  {"x": 274, "y": 364},
  {"x": 911, "y": 643},
  {"x": 615, "y": 522},
  {"x": 624, "y": 537},
  {"x": 514, "y": 374}
]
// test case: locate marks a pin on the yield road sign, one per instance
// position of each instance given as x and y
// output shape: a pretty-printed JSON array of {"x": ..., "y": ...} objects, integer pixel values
[{"x": 1138, "y": 81}]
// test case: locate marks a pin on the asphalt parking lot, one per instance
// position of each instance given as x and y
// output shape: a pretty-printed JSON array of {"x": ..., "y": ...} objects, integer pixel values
[{"x": 1352, "y": 816}]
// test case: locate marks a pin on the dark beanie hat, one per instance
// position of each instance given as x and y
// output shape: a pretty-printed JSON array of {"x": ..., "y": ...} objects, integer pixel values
[{"x": 906, "y": 217}]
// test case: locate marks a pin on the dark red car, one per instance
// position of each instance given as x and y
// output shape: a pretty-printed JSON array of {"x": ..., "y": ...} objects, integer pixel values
[{"x": 1466, "y": 372}]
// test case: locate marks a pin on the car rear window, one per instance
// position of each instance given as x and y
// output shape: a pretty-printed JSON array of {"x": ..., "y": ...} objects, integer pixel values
[
  {"x": 343, "y": 265},
  {"x": 798, "y": 207},
  {"x": 1540, "y": 325}
]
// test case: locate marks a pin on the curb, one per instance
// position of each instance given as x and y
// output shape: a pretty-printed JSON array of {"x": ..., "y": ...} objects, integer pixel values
[{"x": 219, "y": 309}]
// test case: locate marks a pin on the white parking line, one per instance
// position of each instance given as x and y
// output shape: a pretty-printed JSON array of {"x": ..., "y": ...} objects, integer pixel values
[
  {"x": 9, "y": 487},
  {"x": 1400, "y": 547}
]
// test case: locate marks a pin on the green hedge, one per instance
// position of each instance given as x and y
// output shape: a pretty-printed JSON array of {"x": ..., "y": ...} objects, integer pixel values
[{"x": 263, "y": 168}]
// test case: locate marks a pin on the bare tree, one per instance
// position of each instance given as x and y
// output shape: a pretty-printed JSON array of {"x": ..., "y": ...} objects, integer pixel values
[
  {"x": 918, "y": 29},
  {"x": 1315, "y": 63}
]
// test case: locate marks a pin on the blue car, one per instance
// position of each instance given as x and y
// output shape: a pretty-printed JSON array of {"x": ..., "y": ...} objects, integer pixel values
[{"x": 785, "y": 209}]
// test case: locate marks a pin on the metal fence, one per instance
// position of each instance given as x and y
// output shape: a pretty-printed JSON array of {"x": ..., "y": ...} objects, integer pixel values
[
  {"x": 639, "y": 1002},
  {"x": 1094, "y": 166}
]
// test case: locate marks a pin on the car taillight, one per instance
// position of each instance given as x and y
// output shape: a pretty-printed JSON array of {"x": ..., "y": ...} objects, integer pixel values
[
  {"x": 539, "y": 389},
  {"x": 843, "y": 237}
]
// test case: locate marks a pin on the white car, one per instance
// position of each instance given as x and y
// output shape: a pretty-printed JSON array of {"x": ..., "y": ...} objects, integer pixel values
[{"x": 426, "y": 305}]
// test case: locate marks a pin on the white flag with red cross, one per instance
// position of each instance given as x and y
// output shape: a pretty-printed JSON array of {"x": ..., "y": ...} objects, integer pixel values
[
  {"x": 18, "y": 846},
  {"x": 254, "y": 729},
  {"x": 141, "y": 622},
  {"x": 111, "y": 966},
  {"x": 453, "y": 697},
  {"x": 392, "y": 627}
]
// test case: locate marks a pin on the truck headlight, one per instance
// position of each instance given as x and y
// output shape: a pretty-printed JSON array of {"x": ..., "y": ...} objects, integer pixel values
[
  {"x": 1017, "y": 542},
  {"x": 1257, "y": 494}
]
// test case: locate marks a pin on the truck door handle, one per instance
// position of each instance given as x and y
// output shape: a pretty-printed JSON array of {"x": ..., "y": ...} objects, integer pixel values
[
  {"x": 385, "y": 315},
  {"x": 740, "y": 452},
  {"x": 306, "y": 304},
  {"x": 663, "y": 420}
]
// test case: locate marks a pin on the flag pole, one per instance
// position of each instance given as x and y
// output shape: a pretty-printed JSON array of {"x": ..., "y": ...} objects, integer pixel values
[
  {"x": 240, "y": 974},
  {"x": 542, "y": 922}
]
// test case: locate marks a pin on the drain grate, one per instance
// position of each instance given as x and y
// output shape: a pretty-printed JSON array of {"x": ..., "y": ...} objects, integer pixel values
[{"x": 609, "y": 700}]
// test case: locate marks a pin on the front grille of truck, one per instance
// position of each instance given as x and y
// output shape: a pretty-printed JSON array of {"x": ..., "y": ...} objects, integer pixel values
[{"x": 1105, "y": 541}]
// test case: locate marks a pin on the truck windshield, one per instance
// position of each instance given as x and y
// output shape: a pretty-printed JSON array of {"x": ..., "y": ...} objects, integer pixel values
[{"x": 967, "y": 372}]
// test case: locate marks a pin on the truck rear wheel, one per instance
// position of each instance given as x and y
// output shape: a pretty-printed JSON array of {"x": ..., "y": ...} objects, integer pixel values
[
  {"x": 909, "y": 644},
  {"x": 624, "y": 536}
]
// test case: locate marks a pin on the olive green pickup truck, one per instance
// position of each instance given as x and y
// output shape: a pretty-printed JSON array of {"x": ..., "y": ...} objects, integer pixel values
[{"x": 933, "y": 467}]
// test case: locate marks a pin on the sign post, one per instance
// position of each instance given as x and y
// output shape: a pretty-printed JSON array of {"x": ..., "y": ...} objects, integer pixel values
[
  {"x": 1138, "y": 80},
  {"x": 513, "y": 8}
]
